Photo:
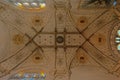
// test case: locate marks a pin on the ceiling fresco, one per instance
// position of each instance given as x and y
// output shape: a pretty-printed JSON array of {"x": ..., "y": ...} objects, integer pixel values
[{"x": 50, "y": 42}]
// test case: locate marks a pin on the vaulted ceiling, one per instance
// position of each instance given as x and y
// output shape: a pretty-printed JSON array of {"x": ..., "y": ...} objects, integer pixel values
[{"x": 61, "y": 39}]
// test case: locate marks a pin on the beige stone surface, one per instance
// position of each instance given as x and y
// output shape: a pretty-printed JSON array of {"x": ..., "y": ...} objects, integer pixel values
[{"x": 67, "y": 40}]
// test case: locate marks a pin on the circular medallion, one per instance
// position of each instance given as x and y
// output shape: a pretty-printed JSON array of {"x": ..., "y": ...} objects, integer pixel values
[{"x": 60, "y": 39}]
